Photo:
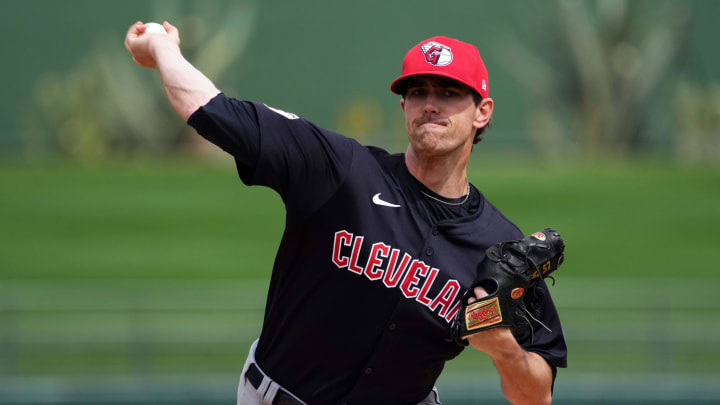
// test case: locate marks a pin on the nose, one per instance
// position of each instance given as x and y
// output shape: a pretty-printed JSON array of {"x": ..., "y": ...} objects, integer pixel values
[{"x": 431, "y": 106}]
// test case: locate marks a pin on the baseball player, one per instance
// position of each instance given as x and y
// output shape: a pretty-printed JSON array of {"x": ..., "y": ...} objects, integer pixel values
[{"x": 378, "y": 248}]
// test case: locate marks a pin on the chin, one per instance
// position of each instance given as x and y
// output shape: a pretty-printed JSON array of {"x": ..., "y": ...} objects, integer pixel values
[
  {"x": 429, "y": 149},
  {"x": 424, "y": 142}
]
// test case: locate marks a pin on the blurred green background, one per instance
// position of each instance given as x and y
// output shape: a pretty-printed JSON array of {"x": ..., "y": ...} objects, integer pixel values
[{"x": 134, "y": 264}]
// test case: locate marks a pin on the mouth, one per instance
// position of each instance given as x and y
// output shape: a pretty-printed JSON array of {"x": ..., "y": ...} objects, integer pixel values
[
  {"x": 431, "y": 126},
  {"x": 436, "y": 122}
]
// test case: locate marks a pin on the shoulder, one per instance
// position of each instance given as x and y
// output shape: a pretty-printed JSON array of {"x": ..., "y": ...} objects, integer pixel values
[
  {"x": 383, "y": 157},
  {"x": 501, "y": 226},
  {"x": 377, "y": 157}
]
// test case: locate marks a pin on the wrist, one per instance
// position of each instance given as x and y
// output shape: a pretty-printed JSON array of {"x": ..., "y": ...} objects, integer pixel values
[{"x": 159, "y": 46}]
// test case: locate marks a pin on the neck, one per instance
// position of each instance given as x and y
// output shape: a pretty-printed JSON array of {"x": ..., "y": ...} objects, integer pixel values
[{"x": 444, "y": 176}]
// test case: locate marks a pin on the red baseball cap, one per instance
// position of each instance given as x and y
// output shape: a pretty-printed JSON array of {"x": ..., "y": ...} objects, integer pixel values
[{"x": 448, "y": 57}]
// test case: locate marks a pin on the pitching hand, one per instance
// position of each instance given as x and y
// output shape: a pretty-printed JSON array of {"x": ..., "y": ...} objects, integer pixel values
[{"x": 141, "y": 46}]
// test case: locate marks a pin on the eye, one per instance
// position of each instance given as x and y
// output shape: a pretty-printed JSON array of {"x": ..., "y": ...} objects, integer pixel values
[
  {"x": 416, "y": 92},
  {"x": 450, "y": 93}
]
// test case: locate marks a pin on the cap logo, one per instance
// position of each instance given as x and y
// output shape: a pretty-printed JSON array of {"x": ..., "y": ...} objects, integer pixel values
[{"x": 437, "y": 54}]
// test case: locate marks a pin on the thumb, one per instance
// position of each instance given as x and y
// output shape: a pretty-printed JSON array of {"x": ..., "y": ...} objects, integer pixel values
[{"x": 171, "y": 30}]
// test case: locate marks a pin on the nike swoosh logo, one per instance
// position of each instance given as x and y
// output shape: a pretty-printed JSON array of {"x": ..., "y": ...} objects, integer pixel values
[{"x": 377, "y": 201}]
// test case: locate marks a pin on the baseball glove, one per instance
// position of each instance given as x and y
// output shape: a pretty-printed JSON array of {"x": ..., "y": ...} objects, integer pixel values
[{"x": 510, "y": 274}]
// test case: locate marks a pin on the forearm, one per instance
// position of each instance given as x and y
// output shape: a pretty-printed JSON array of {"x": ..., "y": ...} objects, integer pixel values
[
  {"x": 186, "y": 87},
  {"x": 525, "y": 377}
]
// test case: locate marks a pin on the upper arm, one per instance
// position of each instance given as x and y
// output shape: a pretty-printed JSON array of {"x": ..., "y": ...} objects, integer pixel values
[{"x": 304, "y": 163}]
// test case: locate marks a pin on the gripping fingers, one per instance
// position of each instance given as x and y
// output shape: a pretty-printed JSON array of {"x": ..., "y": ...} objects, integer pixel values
[
  {"x": 479, "y": 293},
  {"x": 132, "y": 35}
]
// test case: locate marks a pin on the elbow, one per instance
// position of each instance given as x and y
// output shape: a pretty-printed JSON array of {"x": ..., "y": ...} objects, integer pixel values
[
  {"x": 546, "y": 400},
  {"x": 534, "y": 400},
  {"x": 530, "y": 397},
  {"x": 529, "y": 383},
  {"x": 188, "y": 107}
]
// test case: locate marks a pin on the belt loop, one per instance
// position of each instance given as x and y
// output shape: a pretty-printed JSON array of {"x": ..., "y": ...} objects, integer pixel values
[
  {"x": 271, "y": 392},
  {"x": 262, "y": 388}
]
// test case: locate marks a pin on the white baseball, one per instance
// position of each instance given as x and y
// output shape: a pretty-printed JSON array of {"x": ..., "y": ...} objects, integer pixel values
[{"x": 154, "y": 28}]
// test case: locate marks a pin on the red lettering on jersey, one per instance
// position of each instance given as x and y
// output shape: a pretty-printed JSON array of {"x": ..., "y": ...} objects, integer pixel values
[
  {"x": 412, "y": 276},
  {"x": 342, "y": 238},
  {"x": 394, "y": 274},
  {"x": 447, "y": 295},
  {"x": 452, "y": 313},
  {"x": 378, "y": 250},
  {"x": 417, "y": 268},
  {"x": 422, "y": 297},
  {"x": 355, "y": 255}
]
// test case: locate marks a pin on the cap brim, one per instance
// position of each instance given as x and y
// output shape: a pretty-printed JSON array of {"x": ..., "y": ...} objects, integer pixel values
[{"x": 398, "y": 85}]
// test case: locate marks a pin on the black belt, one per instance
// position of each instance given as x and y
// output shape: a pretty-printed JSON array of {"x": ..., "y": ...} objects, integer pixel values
[{"x": 255, "y": 376}]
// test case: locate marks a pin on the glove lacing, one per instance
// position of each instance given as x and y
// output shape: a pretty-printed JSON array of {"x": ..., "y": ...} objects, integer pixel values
[{"x": 530, "y": 267}]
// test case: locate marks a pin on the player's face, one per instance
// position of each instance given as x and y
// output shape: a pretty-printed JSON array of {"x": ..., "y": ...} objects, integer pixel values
[{"x": 440, "y": 115}]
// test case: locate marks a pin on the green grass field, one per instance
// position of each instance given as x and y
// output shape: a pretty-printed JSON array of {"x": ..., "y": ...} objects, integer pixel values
[{"x": 159, "y": 270}]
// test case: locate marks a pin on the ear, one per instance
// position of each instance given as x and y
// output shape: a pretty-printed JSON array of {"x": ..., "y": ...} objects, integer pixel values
[
  {"x": 483, "y": 112},
  {"x": 402, "y": 104}
]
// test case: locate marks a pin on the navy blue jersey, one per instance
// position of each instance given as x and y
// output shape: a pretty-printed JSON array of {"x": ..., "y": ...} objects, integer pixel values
[{"x": 370, "y": 271}]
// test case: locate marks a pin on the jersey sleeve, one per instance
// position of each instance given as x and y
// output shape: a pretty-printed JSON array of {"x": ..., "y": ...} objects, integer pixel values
[
  {"x": 231, "y": 125},
  {"x": 304, "y": 163},
  {"x": 548, "y": 343}
]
